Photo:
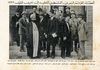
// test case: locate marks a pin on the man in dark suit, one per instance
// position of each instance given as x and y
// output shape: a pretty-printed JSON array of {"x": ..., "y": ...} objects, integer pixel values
[
  {"x": 52, "y": 29},
  {"x": 68, "y": 37},
  {"x": 42, "y": 32},
  {"x": 64, "y": 34},
  {"x": 15, "y": 27},
  {"x": 46, "y": 17},
  {"x": 22, "y": 30},
  {"x": 67, "y": 12}
]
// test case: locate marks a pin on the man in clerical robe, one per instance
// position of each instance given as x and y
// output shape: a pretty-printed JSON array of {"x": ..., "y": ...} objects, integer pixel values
[
  {"x": 32, "y": 38},
  {"x": 36, "y": 15}
]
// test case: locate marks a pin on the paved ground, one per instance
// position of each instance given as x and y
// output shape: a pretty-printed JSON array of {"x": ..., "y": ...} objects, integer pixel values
[{"x": 16, "y": 54}]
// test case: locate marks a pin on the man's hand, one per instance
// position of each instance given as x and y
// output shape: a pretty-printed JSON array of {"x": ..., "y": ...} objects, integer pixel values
[
  {"x": 46, "y": 35},
  {"x": 17, "y": 23},
  {"x": 54, "y": 35},
  {"x": 64, "y": 38}
]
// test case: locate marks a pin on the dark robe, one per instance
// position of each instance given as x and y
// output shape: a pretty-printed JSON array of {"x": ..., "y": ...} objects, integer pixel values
[
  {"x": 14, "y": 29},
  {"x": 32, "y": 39}
]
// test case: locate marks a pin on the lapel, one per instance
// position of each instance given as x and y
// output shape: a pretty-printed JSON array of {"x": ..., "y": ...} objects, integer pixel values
[
  {"x": 67, "y": 23},
  {"x": 41, "y": 21},
  {"x": 51, "y": 21}
]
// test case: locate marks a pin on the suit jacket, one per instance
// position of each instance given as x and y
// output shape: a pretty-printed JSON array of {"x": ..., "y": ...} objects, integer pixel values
[
  {"x": 67, "y": 32},
  {"x": 64, "y": 29},
  {"x": 52, "y": 26},
  {"x": 22, "y": 26},
  {"x": 82, "y": 31},
  {"x": 74, "y": 28},
  {"x": 42, "y": 26},
  {"x": 46, "y": 17},
  {"x": 13, "y": 22}
]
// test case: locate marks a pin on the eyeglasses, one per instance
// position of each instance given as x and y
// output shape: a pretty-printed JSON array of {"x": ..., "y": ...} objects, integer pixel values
[{"x": 17, "y": 14}]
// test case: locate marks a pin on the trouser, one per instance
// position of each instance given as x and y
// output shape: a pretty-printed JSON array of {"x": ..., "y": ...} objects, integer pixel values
[
  {"x": 22, "y": 41},
  {"x": 51, "y": 41},
  {"x": 82, "y": 47},
  {"x": 63, "y": 51},
  {"x": 65, "y": 47},
  {"x": 74, "y": 45},
  {"x": 68, "y": 51},
  {"x": 48, "y": 49},
  {"x": 74, "y": 41},
  {"x": 17, "y": 37},
  {"x": 13, "y": 35},
  {"x": 42, "y": 44}
]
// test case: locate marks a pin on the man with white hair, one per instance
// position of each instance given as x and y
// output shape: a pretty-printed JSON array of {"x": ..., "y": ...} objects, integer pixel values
[
  {"x": 33, "y": 50},
  {"x": 36, "y": 16}
]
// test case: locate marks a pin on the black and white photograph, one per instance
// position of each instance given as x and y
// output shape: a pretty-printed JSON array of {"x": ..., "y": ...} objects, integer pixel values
[{"x": 51, "y": 32}]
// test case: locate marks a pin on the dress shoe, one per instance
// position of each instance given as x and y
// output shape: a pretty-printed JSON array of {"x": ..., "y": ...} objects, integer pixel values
[
  {"x": 21, "y": 50},
  {"x": 69, "y": 56},
  {"x": 18, "y": 45},
  {"x": 46, "y": 57},
  {"x": 63, "y": 57},
  {"x": 82, "y": 58},
  {"x": 24, "y": 50},
  {"x": 35, "y": 57},
  {"x": 52, "y": 57}
]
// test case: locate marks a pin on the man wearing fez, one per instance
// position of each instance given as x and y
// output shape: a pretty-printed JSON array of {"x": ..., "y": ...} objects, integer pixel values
[
  {"x": 52, "y": 29},
  {"x": 22, "y": 30},
  {"x": 15, "y": 27}
]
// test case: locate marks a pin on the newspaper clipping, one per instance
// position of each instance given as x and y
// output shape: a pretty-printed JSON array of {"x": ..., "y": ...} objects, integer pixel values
[{"x": 50, "y": 35}]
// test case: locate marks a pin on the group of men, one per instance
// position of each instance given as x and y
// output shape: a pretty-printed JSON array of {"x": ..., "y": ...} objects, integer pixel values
[{"x": 52, "y": 28}]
